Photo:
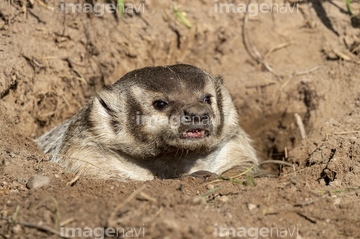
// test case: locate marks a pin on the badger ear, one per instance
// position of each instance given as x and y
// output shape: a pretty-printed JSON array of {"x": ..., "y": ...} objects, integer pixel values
[
  {"x": 107, "y": 100},
  {"x": 219, "y": 79},
  {"x": 105, "y": 114}
]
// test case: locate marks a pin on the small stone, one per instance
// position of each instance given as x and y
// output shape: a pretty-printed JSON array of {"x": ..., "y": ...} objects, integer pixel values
[
  {"x": 197, "y": 200},
  {"x": 223, "y": 199},
  {"x": 349, "y": 41},
  {"x": 210, "y": 186},
  {"x": 251, "y": 206},
  {"x": 209, "y": 229},
  {"x": 337, "y": 201},
  {"x": 37, "y": 181},
  {"x": 17, "y": 229}
]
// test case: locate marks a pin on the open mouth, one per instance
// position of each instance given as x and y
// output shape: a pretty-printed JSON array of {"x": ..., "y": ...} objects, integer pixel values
[{"x": 195, "y": 133}]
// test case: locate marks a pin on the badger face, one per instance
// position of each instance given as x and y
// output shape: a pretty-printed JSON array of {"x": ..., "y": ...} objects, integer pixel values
[
  {"x": 160, "y": 110},
  {"x": 183, "y": 119}
]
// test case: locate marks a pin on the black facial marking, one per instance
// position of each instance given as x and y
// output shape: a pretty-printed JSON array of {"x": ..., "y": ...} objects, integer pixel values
[
  {"x": 115, "y": 125},
  {"x": 106, "y": 107},
  {"x": 87, "y": 111},
  {"x": 134, "y": 110},
  {"x": 219, "y": 97}
]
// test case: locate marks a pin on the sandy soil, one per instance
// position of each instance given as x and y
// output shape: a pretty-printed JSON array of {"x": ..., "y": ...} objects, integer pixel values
[{"x": 52, "y": 62}]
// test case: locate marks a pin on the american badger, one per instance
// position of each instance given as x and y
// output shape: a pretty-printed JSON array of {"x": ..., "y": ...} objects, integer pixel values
[{"x": 155, "y": 122}]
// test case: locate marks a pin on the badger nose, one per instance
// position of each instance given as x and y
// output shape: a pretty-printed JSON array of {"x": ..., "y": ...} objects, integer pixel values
[{"x": 195, "y": 114}]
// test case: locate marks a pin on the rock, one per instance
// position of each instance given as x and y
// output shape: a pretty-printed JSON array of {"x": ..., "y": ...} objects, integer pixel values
[
  {"x": 210, "y": 186},
  {"x": 223, "y": 199},
  {"x": 209, "y": 229},
  {"x": 197, "y": 200},
  {"x": 251, "y": 206},
  {"x": 17, "y": 229},
  {"x": 37, "y": 181},
  {"x": 337, "y": 201}
]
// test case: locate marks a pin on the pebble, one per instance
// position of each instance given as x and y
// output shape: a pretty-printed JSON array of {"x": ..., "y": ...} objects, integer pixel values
[
  {"x": 210, "y": 186},
  {"x": 337, "y": 201},
  {"x": 223, "y": 199},
  {"x": 209, "y": 229},
  {"x": 197, "y": 200},
  {"x": 37, "y": 181},
  {"x": 251, "y": 206},
  {"x": 12, "y": 155},
  {"x": 17, "y": 229}
]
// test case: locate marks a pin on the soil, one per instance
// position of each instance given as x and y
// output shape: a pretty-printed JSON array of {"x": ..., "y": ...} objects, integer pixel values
[{"x": 52, "y": 62}]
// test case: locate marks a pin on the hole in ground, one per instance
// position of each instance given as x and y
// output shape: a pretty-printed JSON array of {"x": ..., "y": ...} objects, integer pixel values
[{"x": 273, "y": 135}]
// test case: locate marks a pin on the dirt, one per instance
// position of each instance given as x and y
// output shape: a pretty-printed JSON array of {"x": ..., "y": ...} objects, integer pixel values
[{"x": 52, "y": 62}]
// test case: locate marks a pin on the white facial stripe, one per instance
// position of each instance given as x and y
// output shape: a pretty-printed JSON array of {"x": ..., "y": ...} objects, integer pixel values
[
  {"x": 210, "y": 87},
  {"x": 137, "y": 91},
  {"x": 144, "y": 94}
]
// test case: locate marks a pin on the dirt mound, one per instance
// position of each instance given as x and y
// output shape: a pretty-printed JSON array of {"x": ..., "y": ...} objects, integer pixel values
[{"x": 300, "y": 60}]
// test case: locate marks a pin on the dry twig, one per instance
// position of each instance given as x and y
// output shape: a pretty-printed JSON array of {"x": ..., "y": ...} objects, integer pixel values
[
  {"x": 300, "y": 124},
  {"x": 40, "y": 228},
  {"x": 254, "y": 54}
]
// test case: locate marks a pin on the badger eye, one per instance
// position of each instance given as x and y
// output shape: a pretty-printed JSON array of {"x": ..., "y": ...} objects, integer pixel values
[
  {"x": 160, "y": 104},
  {"x": 207, "y": 99}
]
